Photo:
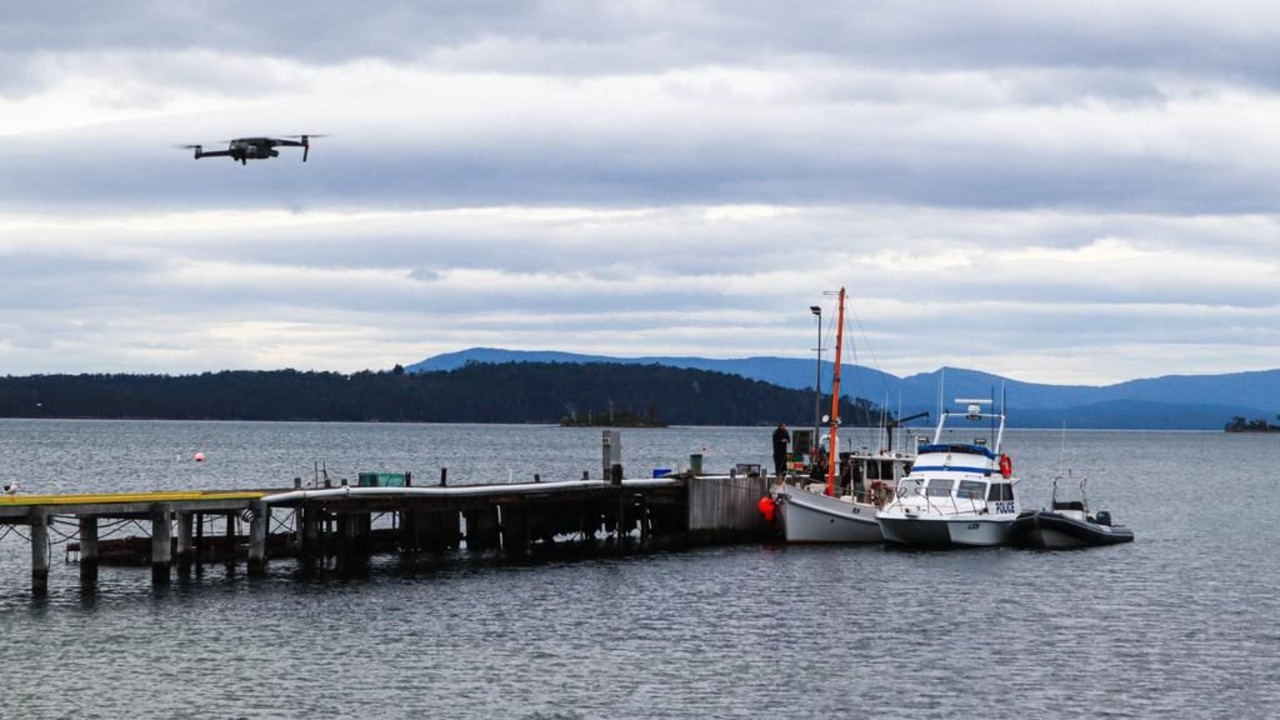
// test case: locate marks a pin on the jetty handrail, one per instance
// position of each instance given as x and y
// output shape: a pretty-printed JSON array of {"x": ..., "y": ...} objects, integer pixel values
[
  {"x": 130, "y": 497},
  {"x": 456, "y": 490}
]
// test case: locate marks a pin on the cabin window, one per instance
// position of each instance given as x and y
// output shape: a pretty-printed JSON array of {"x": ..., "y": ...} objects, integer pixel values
[
  {"x": 971, "y": 490},
  {"x": 1006, "y": 491},
  {"x": 940, "y": 487},
  {"x": 1000, "y": 491},
  {"x": 993, "y": 493}
]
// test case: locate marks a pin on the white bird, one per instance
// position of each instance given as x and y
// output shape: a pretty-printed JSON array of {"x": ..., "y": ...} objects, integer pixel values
[{"x": 11, "y": 488}]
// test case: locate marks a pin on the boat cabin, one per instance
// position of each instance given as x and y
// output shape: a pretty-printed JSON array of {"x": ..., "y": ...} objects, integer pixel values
[{"x": 968, "y": 495}]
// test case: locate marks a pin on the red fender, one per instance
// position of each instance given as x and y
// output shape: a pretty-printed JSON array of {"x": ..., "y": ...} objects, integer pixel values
[{"x": 766, "y": 506}]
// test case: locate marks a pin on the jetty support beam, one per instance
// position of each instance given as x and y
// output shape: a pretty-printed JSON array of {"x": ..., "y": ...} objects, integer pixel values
[
  {"x": 199, "y": 542},
  {"x": 88, "y": 550},
  {"x": 482, "y": 528},
  {"x": 39, "y": 551},
  {"x": 514, "y": 522},
  {"x": 229, "y": 543},
  {"x": 161, "y": 544},
  {"x": 186, "y": 547},
  {"x": 353, "y": 542},
  {"x": 258, "y": 523},
  {"x": 316, "y": 538}
]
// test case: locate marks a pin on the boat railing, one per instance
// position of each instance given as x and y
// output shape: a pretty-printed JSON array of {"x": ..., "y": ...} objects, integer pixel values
[
  {"x": 1081, "y": 505},
  {"x": 953, "y": 505}
]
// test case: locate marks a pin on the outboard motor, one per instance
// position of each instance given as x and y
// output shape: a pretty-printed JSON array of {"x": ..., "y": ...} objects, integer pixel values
[{"x": 1104, "y": 517}]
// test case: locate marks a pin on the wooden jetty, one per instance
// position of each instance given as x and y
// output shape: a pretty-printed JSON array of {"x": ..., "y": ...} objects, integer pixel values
[{"x": 344, "y": 526}]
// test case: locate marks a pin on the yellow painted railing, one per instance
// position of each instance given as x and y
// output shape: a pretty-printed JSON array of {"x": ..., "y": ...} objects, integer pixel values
[{"x": 132, "y": 497}]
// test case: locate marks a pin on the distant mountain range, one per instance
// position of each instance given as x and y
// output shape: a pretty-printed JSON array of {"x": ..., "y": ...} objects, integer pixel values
[{"x": 1173, "y": 402}]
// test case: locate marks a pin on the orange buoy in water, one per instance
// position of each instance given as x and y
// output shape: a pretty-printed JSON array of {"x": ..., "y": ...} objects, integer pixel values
[
  {"x": 766, "y": 506},
  {"x": 199, "y": 457}
]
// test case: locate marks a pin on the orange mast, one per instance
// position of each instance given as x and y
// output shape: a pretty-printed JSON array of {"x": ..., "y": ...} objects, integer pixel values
[{"x": 833, "y": 449}]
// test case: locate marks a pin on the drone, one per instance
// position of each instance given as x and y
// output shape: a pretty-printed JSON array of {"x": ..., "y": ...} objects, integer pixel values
[{"x": 255, "y": 148}]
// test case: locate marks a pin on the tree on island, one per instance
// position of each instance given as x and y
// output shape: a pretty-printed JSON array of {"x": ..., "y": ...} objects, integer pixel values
[{"x": 1240, "y": 424}]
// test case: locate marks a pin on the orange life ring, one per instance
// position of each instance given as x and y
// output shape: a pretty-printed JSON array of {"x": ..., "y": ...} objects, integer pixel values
[{"x": 1006, "y": 465}]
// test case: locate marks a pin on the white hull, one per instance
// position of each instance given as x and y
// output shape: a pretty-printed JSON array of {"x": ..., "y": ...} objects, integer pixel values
[
  {"x": 934, "y": 531},
  {"x": 812, "y": 518}
]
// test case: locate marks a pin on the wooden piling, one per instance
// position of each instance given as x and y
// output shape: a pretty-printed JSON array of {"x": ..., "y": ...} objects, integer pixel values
[
  {"x": 309, "y": 550},
  {"x": 161, "y": 544},
  {"x": 39, "y": 519},
  {"x": 89, "y": 553},
  {"x": 514, "y": 523},
  {"x": 429, "y": 530},
  {"x": 200, "y": 551},
  {"x": 353, "y": 542},
  {"x": 230, "y": 532},
  {"x": 184, "y": 544},
  {"x": 260, "y": 519},
  {"x": 482, "y": 528}
]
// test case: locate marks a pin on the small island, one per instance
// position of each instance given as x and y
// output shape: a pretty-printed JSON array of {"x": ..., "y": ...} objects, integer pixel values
[
  {"x": 621, "y": 419},
  {"x": 1239, "y": 424}
]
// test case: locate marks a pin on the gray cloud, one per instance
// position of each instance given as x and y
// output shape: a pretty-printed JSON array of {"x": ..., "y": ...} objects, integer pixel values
[{"x": 1029, "y": 188}]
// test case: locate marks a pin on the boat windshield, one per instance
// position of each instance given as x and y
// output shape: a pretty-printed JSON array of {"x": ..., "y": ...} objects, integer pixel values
[
  {"x": 940, "y": 487},
  {"x": 972, "y": 490},
  {"x": 1000, "y": 491},
  {"x": 957, "y": 448}
]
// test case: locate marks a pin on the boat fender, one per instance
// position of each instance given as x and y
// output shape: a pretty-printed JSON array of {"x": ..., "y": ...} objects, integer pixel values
[
  {"x": 766, "y": 506},
  {"x": 1006, "y": 465}
]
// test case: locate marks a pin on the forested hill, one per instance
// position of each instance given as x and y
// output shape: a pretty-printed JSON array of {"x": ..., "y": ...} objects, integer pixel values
[{"x": 482, "y": 393}]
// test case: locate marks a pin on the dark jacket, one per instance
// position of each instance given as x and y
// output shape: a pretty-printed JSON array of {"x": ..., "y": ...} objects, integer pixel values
[{"x": 781, "y": 438}]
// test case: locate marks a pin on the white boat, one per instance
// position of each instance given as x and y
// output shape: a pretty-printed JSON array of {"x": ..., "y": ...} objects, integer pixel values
[
  {"x": 958, "y": 493},
  {"x": 848, "y": 515},
  {"x": 841, "y": 506}
]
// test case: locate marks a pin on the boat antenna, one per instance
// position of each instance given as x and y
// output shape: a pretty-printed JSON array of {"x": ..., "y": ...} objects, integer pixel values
[
  {"x": 1004, "y": 408},
  {"x": 1004, "y": 396},
  {"x": 817, "y": 385},
  {"x": 1062, "y": 453},
  {"x": 833, "y": 452},
  {"x": 942, "y": 386},
  {"x": 886, "y": 430}
]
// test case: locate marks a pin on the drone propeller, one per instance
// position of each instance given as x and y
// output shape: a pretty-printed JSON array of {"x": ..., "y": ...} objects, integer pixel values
[
  {"x": 306, "y": 143},
  {"x": 197, "y": 148}
]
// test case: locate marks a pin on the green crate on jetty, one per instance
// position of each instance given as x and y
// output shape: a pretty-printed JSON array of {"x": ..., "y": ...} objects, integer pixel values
[{"x": 374, "y": 479}]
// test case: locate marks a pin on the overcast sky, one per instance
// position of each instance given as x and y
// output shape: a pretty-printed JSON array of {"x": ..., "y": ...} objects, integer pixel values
[{"x": 1078, "y": 193}]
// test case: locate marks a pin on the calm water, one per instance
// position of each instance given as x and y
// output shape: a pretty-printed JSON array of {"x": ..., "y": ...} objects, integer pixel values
[{"x": 1184, "y": 622}]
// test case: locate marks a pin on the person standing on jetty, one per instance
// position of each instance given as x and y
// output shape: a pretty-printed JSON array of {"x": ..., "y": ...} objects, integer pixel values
[{"x": 781, "y": 439}]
